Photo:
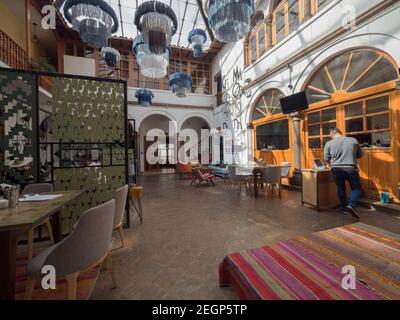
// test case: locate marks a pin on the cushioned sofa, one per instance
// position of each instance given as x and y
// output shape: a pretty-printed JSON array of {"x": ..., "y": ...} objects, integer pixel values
[{"x": 219, "y": 170}]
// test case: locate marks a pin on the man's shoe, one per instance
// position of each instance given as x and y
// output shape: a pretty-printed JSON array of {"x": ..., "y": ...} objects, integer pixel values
[{"x": 353, "y": 212}]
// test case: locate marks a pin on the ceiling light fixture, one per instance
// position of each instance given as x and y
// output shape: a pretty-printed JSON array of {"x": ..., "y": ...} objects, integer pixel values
[
  {"x": 95, "y": 20},
  {"x": 230, "y": 19},
  {"x": 158, "y": 23}
]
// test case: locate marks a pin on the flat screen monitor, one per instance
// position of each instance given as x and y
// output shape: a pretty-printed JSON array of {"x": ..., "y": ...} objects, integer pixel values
[{"x": 294, "y": 103}]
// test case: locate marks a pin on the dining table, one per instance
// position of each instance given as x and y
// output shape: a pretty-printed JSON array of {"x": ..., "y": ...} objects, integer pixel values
[
  {"x": 255, "y": 171},
  {"x": 16, "y": 221}
]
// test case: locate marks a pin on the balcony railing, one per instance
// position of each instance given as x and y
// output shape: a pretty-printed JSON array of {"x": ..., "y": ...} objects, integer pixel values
[
  {"x": 16, "y": 57},
  {"x": 11, "y": 53}
]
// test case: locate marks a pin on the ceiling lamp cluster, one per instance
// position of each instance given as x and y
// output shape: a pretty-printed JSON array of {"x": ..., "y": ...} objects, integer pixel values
[
  {"x": 158, "y": 23},
  {"x": 197, "y": 38},
  {"x": 144, "y": 97},
  {"x": 230, "y": 19},
  {"x": 95, "y": 20},
  {"x": 151, "y": 65}
]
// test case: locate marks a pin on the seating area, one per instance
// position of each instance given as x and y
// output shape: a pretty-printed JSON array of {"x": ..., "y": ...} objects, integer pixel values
[{"x": 199, "y": 152}]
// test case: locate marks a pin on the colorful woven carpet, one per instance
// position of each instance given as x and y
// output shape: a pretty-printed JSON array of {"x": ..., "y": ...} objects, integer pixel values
[
  {"x": 310, "y": 267},
  {"x": 86, "y": 283}
]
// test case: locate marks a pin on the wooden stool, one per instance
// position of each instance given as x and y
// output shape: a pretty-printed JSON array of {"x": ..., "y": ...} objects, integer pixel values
[{"x": 135, "y": 193}]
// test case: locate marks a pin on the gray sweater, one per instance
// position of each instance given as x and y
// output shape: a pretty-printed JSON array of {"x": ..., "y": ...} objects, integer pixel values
[{"x": 342, "y": 152}]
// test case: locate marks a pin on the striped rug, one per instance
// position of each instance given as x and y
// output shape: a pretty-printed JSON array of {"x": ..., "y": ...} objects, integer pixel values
[
  {"x": 310, "y": 267},
  {"x": 85, "y": 286}
]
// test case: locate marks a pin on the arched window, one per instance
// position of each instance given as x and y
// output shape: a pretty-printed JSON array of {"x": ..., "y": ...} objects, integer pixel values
[
  {"x": 350, "y": 72},
  {"x": 268, "y": 104},
  {"x": 257, "y": 19}
]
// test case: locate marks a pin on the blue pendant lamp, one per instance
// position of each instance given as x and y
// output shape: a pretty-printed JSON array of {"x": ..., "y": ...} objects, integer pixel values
[
  {"x": 151, "y": 65},
  {"x": 197, "y": 38},
  {"x": 94, "y": 20},
  {"x": 111, "y": 56},
  {"x": 158, "y": 23},
  {"x": 230, "y": 19},
  {"x": 144, "y": 96},
  {"x": 180, "y": 84}
]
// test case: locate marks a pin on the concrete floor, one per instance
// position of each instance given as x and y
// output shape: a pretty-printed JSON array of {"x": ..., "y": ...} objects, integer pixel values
[{"x": 187, "y": 231}]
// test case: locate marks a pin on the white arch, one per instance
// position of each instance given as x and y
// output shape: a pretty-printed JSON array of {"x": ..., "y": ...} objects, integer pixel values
[
  {"x": 152, "y": 113},
  {"x": 195, "y": 115},
  {"x": 272, "y": 84}
]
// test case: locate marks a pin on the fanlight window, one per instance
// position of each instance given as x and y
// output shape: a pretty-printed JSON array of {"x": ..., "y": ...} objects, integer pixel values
[
  {"x": 268, "y": 104},
  {"x": 350, "y": 72}
]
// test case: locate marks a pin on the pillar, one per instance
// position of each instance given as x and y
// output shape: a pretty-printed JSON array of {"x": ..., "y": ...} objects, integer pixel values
[{"x": 296, "y": 179}]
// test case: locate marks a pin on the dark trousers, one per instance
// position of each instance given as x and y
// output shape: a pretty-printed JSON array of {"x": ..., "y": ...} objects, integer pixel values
[{"x": 340, "y": 175}]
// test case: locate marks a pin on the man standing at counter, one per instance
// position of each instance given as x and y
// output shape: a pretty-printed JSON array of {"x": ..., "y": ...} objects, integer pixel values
[{"x": 341, "y": 154}]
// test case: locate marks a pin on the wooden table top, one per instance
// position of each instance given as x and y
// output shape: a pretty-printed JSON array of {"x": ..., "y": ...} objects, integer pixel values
[{"x": 30, "y": 213}]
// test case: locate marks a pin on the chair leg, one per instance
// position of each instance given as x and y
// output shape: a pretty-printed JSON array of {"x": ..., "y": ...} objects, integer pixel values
[
  {"x": 72, "y": 280},
  {"x": 110, "y": 269},
  {"x": 30, "y": 285},
  {"x": 30, "y": 243},
  {"x": 50, "y": 230},
  {"x": 280, "y": 190},
  {"x": 121, "y": 234}
]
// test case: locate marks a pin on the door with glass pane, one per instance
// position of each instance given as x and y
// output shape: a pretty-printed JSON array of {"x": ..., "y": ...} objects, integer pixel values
[
  {"x": 369, "y": 121},
  {"x": 318, "y": 124}
]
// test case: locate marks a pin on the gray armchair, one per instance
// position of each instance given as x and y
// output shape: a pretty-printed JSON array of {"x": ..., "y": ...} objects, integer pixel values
[
  {"x": 38, "y": 188},
  {"x": 236, "y": 179},
  {"x": 271, "y": 177},
  {"x": 87, "y": 246},
  {"x": 285, "y": 172},
  {"x": 120, "y": 204}
]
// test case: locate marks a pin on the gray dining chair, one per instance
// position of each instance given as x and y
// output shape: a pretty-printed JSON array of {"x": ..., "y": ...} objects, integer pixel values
[
  {"x": 87, "y": 246},
  {"x": 120, "y": 204},
  {"x": 285, "y": 171},
  {"x": 270, "y": 178},
  {"x": 235, "y": 179},
  {"x": 33, "y": 189}
]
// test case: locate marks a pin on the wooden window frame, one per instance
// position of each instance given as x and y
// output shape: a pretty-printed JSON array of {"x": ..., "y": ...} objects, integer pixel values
[
  {"x": 321, "y": 124},
  {"x": 273, "y": 33},
  {"x": 364, "y": 115}
]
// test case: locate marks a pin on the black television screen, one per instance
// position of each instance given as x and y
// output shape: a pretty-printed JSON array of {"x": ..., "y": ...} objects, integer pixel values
[{"x": 294, "y": 103}]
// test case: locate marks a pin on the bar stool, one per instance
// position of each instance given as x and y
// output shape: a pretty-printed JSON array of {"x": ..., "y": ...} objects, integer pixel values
[{"x": 135, "y": 193}]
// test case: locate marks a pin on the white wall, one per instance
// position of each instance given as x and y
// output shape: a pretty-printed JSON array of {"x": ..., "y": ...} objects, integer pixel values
[{"x": 79, "y": 66}]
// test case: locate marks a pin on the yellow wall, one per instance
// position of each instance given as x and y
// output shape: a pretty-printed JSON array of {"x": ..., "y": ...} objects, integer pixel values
[{"x": 13, "y": 27}]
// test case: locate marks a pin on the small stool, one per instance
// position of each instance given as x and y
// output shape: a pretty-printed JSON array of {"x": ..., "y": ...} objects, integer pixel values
[{"x": 135, "y": 193}]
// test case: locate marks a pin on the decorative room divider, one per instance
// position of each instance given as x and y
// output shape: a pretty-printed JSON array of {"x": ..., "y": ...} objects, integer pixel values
[
  {"x": 79, "y": 141},
  {"x": 18, "y": 127}
]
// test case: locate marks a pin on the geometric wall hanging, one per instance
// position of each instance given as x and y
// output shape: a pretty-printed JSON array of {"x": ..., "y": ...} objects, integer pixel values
[{"x": 18, "y": 124}]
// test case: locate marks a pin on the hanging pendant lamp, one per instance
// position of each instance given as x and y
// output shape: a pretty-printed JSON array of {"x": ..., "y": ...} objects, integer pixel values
[
  {"x": 197, "y": 39},
  {"x": 151, "y": 65},
  {"x": 94, "y": 20},
  {"x": 158, "y": 23},
  {"x": 111, "y": 56},
  {"x": 145, "y": 97},
  {"x": 230, "y": 19},
  {"x": 180, "y": 84}
]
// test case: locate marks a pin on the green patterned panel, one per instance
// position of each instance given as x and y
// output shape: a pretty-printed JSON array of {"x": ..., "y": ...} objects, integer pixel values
[
  {"x": 18, "y": 124},
  {"x": 88, "y": 110},
  {"x": 118, "y": 156},
  {"x": 98, "y": 185}
]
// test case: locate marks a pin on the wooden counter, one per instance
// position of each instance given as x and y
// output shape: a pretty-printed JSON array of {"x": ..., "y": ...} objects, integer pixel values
[{"x": 318, "y": 189}]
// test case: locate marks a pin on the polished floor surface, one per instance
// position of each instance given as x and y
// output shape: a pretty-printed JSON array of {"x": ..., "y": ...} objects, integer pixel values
[{"x": 187, "y": 231}]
